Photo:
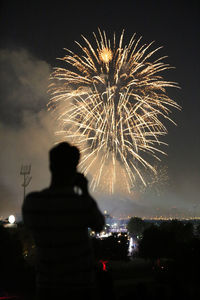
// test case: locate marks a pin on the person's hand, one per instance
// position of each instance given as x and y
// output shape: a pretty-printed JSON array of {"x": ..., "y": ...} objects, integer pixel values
[{"x": 82, "y": 183}]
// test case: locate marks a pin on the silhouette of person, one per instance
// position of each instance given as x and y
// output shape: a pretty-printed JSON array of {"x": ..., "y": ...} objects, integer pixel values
[{"x": 58, "y": 218}]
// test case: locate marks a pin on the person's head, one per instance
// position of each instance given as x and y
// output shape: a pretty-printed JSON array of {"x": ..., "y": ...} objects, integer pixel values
[{"x": 64, "y": 160}]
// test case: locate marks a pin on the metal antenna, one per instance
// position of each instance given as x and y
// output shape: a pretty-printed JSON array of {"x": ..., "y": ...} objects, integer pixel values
[{"x": 25, "y": 171}]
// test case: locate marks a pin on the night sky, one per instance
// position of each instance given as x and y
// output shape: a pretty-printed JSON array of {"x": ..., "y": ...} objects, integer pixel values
[{"x": 33, "y": 35}]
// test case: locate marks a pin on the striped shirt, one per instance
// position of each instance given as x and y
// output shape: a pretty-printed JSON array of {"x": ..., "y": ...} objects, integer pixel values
[{"x": 59, "y": 221}]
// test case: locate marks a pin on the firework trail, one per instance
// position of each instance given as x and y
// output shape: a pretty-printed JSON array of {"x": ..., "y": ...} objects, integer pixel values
[
  {"x": 156, "y": 183},
  {"x": 111, "y": 102}
]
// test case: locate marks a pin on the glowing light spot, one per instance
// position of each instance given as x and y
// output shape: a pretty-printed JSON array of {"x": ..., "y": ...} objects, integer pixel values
[
  {"x": 11, "y": 219},
  {"x": 104, "y": 262},
  {"x": 105, "y": 55}
]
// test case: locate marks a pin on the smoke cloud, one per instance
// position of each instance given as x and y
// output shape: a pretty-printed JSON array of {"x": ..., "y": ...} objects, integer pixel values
[{"x": 26, "y": 128}]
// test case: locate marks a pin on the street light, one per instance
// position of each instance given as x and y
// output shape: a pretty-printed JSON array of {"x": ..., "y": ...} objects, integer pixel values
[{"x": 11, "y": 219}]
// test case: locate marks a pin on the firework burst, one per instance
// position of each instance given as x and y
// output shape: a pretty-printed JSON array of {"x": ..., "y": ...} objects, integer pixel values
[{"x": 111, "y": 101}]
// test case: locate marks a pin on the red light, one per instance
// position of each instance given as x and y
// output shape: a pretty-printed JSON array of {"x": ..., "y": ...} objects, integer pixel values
[{"x": 104, "y": 262}]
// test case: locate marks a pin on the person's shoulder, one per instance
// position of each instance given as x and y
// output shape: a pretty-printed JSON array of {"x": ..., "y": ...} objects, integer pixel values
[
  {"x": 35, "y": 195},
  {"x": 32, "y": 195},
  {"x": 32, "y": 199}
]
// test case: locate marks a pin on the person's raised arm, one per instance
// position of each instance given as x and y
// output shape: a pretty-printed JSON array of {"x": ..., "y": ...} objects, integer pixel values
[{"x": 96, "y": 220}]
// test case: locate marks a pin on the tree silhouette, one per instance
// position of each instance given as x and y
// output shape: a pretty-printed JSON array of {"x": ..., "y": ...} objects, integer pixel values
[
  {"x": 170, "y": 240},
  {"x": 136, "y": 226}
]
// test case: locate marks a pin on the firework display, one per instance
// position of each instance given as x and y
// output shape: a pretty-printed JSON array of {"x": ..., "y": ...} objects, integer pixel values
[{"x": 111, "y": 102}]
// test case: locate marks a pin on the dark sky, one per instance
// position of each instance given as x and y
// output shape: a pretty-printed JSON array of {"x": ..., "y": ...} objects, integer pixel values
[{"x": 32, "y": 35}]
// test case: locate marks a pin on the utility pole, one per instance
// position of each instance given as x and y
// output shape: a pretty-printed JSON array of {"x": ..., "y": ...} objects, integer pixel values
[{"x": 25, "y": 171}]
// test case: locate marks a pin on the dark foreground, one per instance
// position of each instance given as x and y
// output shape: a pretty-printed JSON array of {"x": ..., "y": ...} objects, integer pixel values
[
  {"x": 136, "y": 279},
  {"x": 119, "y": 277}
]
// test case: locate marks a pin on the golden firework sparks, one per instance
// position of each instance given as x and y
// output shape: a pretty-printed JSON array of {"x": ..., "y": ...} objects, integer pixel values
[
  {"x": 113, "y": 111},
  {"x": 105, "y": 55}
]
